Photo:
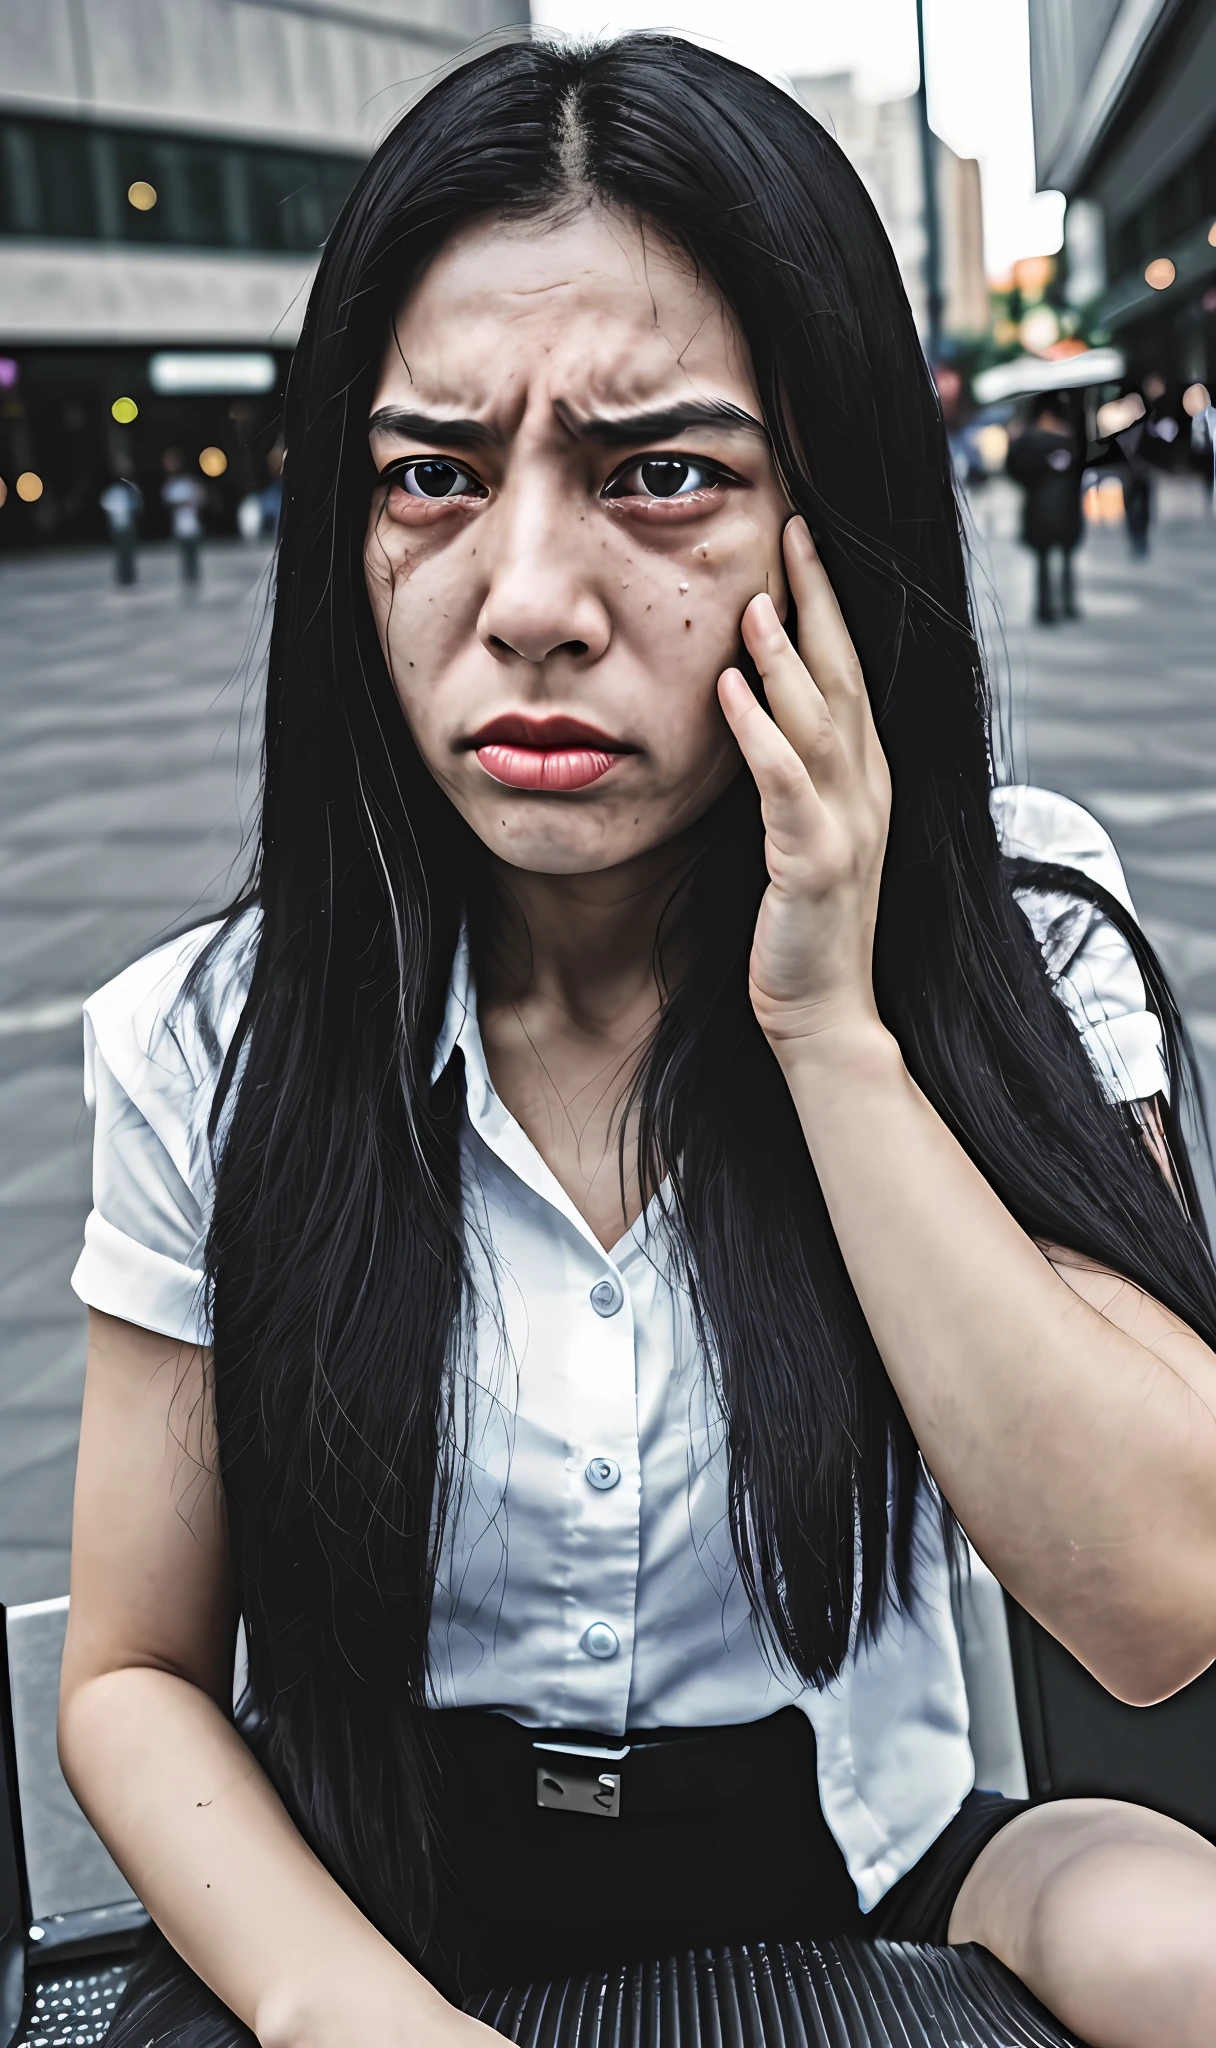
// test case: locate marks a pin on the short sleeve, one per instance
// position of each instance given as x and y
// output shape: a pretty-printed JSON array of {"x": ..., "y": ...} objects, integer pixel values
[
  {"x": 1091, "y": 965},
  {"x": 152, "y": 1058}
]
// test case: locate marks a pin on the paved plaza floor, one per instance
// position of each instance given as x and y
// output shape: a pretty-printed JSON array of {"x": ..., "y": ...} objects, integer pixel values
[
  {"x": 123, "y": 755},
  {"x": 128, "y": 756}
]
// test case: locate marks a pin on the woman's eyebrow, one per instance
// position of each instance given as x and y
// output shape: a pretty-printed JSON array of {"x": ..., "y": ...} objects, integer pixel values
[
  {"x": 423, "y": 426},
  {"x": 663, "y": 421}
]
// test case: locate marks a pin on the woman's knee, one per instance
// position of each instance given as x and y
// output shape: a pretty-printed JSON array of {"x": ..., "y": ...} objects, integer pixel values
[{"x": 1108, "y": 1912}]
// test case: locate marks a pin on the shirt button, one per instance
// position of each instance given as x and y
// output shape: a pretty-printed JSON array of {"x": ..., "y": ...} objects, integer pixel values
[
  {"x": 606, "y": 1297},
  {"x": 603, "y": 1474},
  {"x": 600, "y": 1640}
]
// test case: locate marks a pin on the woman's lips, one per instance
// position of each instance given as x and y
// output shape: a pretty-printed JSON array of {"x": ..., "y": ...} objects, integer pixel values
[{"x": 552, "y": 754}]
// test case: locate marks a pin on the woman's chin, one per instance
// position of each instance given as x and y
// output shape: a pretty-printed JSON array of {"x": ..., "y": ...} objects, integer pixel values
[{"x": 555, "y": 835}]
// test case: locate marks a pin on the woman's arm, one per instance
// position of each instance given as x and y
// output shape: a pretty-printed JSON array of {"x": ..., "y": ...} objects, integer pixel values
[
  {"x": 146, "y": 1734},
  {"x": 1068, "y": 1418}
]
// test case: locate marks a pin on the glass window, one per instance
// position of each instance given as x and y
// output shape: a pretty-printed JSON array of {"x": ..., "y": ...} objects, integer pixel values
[{"x": 72, "y": 179}]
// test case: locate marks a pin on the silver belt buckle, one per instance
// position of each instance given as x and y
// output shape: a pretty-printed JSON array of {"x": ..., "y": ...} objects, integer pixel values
[{"x": 568, "y": 1781}]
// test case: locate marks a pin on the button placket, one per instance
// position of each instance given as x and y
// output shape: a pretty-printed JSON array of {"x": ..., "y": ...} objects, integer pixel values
[{"x": 603, "y": 1588}]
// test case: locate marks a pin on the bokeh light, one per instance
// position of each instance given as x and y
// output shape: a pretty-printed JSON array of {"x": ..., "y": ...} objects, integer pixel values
[
  {"x": 1103, "y": 502},
  {"x": 992, "y": 446},
  {"x": 141, "y": 195},
  {"x": 1212, "y": 234},
  {"x": 124, "y": 410},
  {"x": 29, "y": 486},
  {"x": 1120, "y": 414},
  {"x": 1160, "y": 274},
  {"x": 3, "y": 490},
  {"x": 1196, "y": 399},
  {"x": 213, "y": 462},
  {"x": 1039, "y": 329}
]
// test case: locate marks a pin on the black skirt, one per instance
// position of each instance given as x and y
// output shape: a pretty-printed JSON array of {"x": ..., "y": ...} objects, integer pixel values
[{"x": 741, "y": 1854}]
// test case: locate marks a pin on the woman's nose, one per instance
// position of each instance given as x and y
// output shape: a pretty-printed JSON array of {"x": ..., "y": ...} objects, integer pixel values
[{"x": 540, "y": 602}]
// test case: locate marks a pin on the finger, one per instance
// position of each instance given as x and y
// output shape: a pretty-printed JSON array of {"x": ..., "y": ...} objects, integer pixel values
[
  {"x": 796, "y": 702},
  {"x": 823, "y": 637},
  {"x": 786, "y": 790}
]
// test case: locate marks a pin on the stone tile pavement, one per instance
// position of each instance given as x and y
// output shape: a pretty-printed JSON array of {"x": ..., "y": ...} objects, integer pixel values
[
  {"x": 128, "y": 742},
  {"x": 127, "y": 733},
  {"x": 1118, "y": 710}
]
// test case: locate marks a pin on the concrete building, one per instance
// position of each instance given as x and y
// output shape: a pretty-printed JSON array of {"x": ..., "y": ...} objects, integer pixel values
[
  {"x": 882, "y": 142},
  {"x": 1125, "y": 126},
  {"x": 168, "y": 170}
]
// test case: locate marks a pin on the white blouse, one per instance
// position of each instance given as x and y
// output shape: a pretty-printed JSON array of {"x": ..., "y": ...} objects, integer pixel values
[{"x": 588, "y": 1578}]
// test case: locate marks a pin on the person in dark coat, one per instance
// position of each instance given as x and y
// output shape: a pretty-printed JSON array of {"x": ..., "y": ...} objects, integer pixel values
[{"x": 1046, "y": 461}]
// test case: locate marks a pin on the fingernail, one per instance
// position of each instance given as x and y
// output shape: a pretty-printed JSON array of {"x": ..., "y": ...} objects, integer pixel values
[{"x": 801, "y": 532}]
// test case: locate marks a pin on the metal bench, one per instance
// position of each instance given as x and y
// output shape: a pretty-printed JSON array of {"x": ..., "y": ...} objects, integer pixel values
[{"x": 1040, "y": 1724}]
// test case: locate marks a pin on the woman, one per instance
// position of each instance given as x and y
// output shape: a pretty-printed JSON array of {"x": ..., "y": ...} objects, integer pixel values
[{"x": 621, "y": 1205}]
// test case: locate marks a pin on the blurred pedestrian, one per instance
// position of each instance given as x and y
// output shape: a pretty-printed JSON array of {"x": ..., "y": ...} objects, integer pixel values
[
  {"x": 185, "y": 496},
  {"x": 1046, "y": 461},
  {"x": 122, "y": 502},
  {"x": 272, "y": 495},
  {"x": 257, "y": 515}
]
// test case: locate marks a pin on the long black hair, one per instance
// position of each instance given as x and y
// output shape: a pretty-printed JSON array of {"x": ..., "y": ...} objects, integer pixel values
[{"x": 335, "y": 1258}]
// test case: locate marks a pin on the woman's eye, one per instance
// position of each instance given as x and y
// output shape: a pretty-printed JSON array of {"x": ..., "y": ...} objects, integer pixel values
[
  {"x": 662, "y": 476},
  {"x": 435, "y": 479}
]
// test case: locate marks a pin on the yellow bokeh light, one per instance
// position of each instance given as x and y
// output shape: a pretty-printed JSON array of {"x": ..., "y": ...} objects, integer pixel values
[
  {"x": 124, "y": 410},
  {"x": 1033, "y": 274},
  {"x": 1196, "y": 399},
  {"x": 1160, "y": 274},
  {"x": 213, "y": 462},
  {"x": 1212, "y": 234},
  {"x": 1103, "y": 502},
  {"x": 992, "y": 443},
  {"x": 141, "y": 195},
  {"x": 29, "y": 486}
]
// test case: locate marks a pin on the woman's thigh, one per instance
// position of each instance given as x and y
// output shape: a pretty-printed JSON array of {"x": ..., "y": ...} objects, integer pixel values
[{"x": 1108, "y": 1913}]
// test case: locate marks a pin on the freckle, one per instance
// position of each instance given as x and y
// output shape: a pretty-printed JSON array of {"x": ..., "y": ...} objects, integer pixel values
[
  {"x": 687, "y": 624},
  {"x": 648, "y": 607}
]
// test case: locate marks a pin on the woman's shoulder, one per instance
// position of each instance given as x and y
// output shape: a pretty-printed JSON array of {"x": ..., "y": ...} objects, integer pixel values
[
  {"x": 1089, "y": 961},
  {"x": 1039, "y": 824},
  {"x": 165, "y": 1023}
]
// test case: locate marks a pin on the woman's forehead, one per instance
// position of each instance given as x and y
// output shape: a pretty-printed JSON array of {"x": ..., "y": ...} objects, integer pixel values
[{"x": 597, "y": 313}]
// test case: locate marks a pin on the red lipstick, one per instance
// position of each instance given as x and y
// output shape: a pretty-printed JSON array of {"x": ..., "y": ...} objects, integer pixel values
[{"x": 553, "y": 754}]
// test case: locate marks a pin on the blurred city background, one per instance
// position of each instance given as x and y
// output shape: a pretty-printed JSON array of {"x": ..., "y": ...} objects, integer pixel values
[{"x": 168, "y": 171}]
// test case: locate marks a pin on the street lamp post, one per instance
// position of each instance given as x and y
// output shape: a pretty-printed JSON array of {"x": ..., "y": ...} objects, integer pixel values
[{"x": 932, "y": 218}]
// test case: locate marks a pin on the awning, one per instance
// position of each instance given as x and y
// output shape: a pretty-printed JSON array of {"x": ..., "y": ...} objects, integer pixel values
[{"x": 1028, "y": 374}]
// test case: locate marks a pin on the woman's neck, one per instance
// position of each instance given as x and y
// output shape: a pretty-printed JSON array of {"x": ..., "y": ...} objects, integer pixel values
[
  {"x": 571, "y": 972},
  {"x": 585, "y": 942}
]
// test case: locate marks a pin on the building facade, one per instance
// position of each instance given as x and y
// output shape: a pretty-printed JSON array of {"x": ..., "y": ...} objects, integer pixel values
[
  {"x": 168, "y": 172},
  {"x": 882, "y": 142},
  {"x": 1125, "y": 126}
]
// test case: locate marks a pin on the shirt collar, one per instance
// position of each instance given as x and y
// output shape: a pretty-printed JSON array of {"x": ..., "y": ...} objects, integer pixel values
[{"x": 460, "y": 1012}]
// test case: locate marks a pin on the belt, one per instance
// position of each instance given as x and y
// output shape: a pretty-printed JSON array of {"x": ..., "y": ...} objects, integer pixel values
[{"x": 505, "y": 1765}]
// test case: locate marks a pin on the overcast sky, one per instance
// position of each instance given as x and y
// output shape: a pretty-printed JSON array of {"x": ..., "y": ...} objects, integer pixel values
[{"x": 977, "y": 59}]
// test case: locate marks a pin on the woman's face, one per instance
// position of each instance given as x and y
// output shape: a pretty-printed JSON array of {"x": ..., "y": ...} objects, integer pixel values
[{"x": 577, "y": 502}]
